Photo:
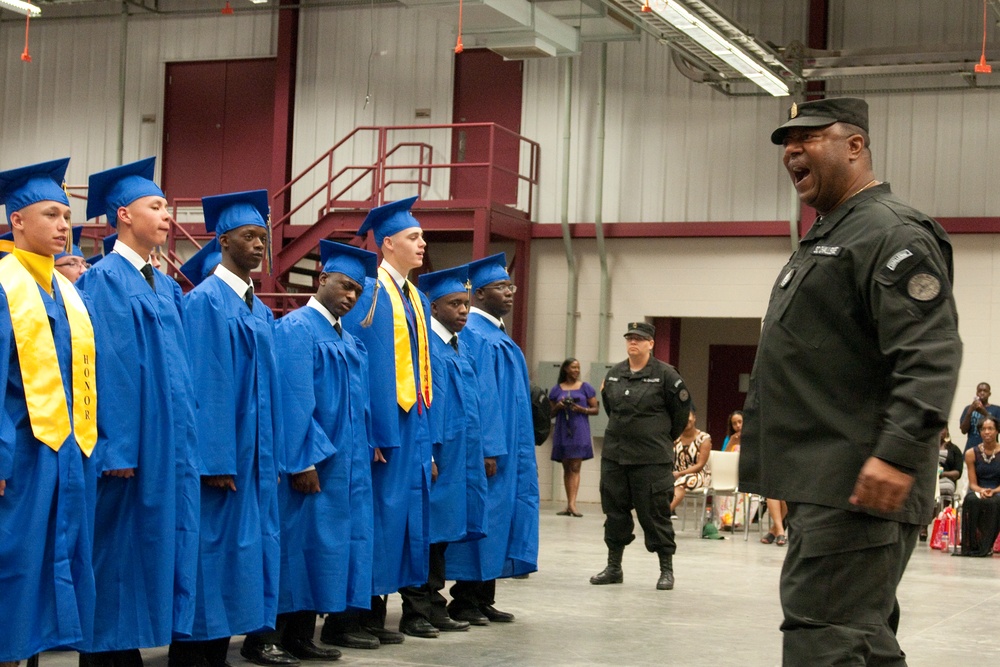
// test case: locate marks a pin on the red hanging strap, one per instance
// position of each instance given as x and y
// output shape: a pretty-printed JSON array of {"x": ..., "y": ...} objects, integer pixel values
[
  {"x": 983, "y": 67},
  {"x": 26, "y": 57},
  {"x": 458, "y": 45}
]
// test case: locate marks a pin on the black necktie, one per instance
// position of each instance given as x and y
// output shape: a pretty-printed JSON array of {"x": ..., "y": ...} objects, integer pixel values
[
  {"x": 406, "y": 290},
  {"x": 248, "y": 297},
  {"x": 147, "y": 273},
  {"x": 339, "y": 329},
  {"x": 502, "y": 327},
  {"x": 454, "y": 342}
]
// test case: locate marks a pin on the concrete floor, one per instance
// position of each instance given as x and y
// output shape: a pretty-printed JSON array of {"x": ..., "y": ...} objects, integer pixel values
[{"x": 724, "y": 610}]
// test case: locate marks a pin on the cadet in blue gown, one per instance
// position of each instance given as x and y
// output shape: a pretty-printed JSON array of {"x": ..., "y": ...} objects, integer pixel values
[
  {"x": 458, "y": 492},
  {"x": 326, "y": 504},
  {"x": 46, "y": 491},
  {"x": 146, "y": 527},
  {"x": 395, "y": 335},
  {"x": 511, "y": 544},
  {"x": 231, "y": 338}
]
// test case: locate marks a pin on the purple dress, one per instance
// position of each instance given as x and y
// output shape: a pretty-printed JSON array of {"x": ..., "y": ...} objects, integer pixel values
[{"x": 571, "y": 436}]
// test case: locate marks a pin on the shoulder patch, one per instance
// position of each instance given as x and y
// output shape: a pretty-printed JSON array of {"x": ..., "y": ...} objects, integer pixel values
[
  {"x": 684, "y": 395},
  {"x": 923, "y": 287},
  {"x": 678, "y": 383},
  {"x": 787, "y": 278},
  {"x": 897, "y": 258},
  {"x": 827, "y": 250}
]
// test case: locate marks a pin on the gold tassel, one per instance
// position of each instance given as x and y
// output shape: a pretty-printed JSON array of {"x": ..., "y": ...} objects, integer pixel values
[
  {"x": 367, "y": 322},
  {"x": 69, "y": 239},
  {"x": 269, "y": 252}
]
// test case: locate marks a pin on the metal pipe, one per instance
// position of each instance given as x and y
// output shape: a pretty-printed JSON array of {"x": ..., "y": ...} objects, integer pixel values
[
  {"x": 604, "y": 321},
  {"x": 122, "y": 55},
  {"x": 571, "y": 286}
]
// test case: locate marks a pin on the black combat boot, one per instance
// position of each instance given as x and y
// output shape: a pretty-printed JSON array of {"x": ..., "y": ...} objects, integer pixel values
[
  {"x": 612, "y": 574},
  {"x": 666, "y": 580}
]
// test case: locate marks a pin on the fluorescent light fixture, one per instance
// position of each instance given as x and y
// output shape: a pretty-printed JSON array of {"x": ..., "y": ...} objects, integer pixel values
[
  {"x": 703, "y": 33},
  {"x": 259, "y": 2},
  {"x": 20, "y": 7}
]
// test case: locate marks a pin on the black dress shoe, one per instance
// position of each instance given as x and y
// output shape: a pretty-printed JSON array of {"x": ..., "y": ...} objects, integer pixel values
[
  {"x": 471, "y": 616},
  {"x": 306, "y": 649},
  {"x": 495, "y": 615},
  {"x": 385, "y": 636},
  {"x": 448, "y": 624},
  {"x": 355, "y": 639},
  {"x": 418, "y": 627},
  {"x": 268, "y": 655}
]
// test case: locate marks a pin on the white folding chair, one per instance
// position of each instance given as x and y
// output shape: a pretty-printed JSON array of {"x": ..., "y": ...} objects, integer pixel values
[{"x": 725, "y": 481}]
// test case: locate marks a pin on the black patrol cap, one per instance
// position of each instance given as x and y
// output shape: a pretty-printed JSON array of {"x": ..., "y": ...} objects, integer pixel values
[
  {"x": 820, "y": 113},
  {"x": 644, "y": 329}
]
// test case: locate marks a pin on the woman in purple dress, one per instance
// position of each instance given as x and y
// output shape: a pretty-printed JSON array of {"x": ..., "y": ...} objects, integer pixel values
[{"x": 573, "y": 401}]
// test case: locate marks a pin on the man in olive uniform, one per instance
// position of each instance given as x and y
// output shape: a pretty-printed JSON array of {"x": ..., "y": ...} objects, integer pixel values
[
  {"x": 648, "y": 406},
  {"x": 855, "y": 374}
]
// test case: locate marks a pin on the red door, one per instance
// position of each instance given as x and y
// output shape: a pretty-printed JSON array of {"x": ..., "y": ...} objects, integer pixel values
[
  {"x": 487, "y": 90},
  {"x": 729, "y": 369},
  {"x": 218, "y": 126}
]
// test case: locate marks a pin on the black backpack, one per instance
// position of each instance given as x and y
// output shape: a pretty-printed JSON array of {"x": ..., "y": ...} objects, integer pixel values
[{"x": 541, "y": 414}]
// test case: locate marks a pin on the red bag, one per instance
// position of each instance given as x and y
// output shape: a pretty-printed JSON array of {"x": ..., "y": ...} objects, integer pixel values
[{"x": 943, "y": 530}]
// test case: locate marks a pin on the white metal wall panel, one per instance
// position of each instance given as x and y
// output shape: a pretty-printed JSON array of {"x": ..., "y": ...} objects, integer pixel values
[
  {"x": 66, "y": 101},
  {"x": 401, "y": 58}
]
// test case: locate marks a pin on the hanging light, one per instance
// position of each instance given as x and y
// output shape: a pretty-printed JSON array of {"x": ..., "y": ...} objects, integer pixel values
[
  {"x": 458, "y": 44},
  {"x": 228, "y": 9},
  {"x": 645, "y": 6},
  {"x": 21, "y": 7}
]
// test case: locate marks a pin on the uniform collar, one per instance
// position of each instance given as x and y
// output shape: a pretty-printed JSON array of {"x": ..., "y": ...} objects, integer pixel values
[
  {"x": 396, "y": 275},
  {"x": 825, "y": 225}
]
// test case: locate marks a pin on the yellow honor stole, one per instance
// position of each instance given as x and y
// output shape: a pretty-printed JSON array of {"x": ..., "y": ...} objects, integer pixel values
[
  {"x": 20, "y": 274},
  {"x": 406, "y": 391}
]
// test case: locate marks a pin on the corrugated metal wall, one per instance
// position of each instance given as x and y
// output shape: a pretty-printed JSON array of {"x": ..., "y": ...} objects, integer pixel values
[{"x": 66, "y": 101}]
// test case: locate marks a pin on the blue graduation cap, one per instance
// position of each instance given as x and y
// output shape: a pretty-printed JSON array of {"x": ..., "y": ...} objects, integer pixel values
[
  {"x": 203, "y": 262},
  {"x": 227, "y": 212},
  {"x": 355, "y": 263},
  {"x": 488, "y": 270},
  {"x": 120, "y": 186},
  {"x": 448, "y": 281},
  {"x": 29, "y": 185},
  {"x": 387, "y": 219},
  {"x": 76, "y": 251},
  {"x": 108, "y": 244}
]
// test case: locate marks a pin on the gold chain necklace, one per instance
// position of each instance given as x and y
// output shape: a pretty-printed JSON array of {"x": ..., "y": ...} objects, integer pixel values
[{"x": 864, "y": 187}]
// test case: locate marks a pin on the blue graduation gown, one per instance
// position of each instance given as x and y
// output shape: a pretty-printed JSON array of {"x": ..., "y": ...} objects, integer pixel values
[
  {"x": 511, "y": 543},
  {"x": 234, "y": 370},
  {"x": 146, "y": 527},
  {"x": 458, "y": 497},
  {"x": 46, "y": 576},
  {"x": 326, "y": 537},
  {"x": 401, "y": 485}
]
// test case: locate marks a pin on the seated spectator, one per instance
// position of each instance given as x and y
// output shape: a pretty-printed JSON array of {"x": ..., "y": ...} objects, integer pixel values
[
  {"x": 950, "y": 464},
  {"x": 691, "y": 452},
  {"x": 734, "y": 430},
  {"x": 975, "y": 412},
  {"x": 981, "y": 508}
]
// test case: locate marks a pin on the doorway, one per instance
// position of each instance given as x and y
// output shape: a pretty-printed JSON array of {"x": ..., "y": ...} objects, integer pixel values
[
  {"x": 218, "y": 125},
  {"x": 488, "y": 89}
]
